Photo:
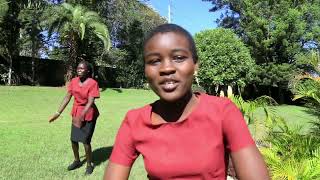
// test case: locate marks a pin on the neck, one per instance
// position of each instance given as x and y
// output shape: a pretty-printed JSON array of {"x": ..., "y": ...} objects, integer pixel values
[
  {"x": 174, "y": 111},
  {"x": 83, "y": 78}
]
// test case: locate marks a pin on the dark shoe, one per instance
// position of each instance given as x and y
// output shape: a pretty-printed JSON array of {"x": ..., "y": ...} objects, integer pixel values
[
  {"x": 89, "y": 170},
  {"x": 74, "y": 165}
]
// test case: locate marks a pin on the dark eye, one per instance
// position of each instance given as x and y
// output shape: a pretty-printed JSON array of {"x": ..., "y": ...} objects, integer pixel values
[
  {"x": 153, "y": 62},
  {"x": 179, "y": 58}
]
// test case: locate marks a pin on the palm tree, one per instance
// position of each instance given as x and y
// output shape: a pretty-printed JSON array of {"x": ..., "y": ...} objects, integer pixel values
[
  {"x": 307, "y": 86},
  {"x": 3, "y": 8},
  {"x": 291, "y": 154},
  {"x": 30, "y": 19},
  {"x": 72, "y": 22}
]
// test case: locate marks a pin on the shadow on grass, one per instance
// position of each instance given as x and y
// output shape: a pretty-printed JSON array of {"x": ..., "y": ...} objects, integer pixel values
[
  {"x": 103, "y": 89},
  {"x": 117, "y": 89},
  {"x": 114, "y": 89},
  {"x": 100, "y": 155},
  {"x": 314, "y": 124},
  {"x": 313, "y": 110}
]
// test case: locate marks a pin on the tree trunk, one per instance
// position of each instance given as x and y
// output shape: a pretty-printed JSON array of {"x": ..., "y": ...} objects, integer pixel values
[
  {"x": 73, "y": 57},
  {"x": 229, "y": 91},
  {"x": 13, "y": 29},
  {"x": 239, "y": 90},
  {"x": 10, "y": 72},
  {"x": 280, "y": 95},
  {"x": 33, "y": 54},
  {"x": 69, "y": 72}
]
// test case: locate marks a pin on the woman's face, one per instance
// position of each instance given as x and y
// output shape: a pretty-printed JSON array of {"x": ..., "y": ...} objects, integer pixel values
[
  {"x": 169, "y": 66},
  {"x": 82, "y": 70}
]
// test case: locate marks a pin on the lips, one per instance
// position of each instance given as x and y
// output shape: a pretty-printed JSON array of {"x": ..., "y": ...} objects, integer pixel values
[
  {"x": 80, "y": 72},
  {"x": 169, "y": 85}
]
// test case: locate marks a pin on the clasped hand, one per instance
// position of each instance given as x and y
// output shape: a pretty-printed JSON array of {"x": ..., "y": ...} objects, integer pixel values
[{"x": 77, "y": 121}]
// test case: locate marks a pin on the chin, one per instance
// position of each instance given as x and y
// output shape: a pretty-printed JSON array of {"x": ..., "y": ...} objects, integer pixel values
[{"x": 170, "y": 96}]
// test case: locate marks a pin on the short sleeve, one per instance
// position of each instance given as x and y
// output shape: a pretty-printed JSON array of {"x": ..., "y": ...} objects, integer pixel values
[
  {"x": 124, "y": 151},
  {"x": 94, "y": 90},
  {"x": 70, "y": 86},
  {"x": 235, "y": 129}
]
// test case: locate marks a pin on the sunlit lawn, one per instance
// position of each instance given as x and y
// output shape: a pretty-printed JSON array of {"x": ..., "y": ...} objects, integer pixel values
[
  {"x": 296, "y": 116},
  {"x": 31, "y": 148}
]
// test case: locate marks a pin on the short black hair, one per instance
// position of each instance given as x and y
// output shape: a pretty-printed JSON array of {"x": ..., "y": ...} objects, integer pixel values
[
  {"x": 165, "y": 28},
  {"x": 89, "y": 67}
]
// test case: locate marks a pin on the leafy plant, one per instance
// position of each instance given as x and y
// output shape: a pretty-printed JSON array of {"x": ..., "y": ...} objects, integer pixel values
[
  {"x": 308, "y": 88},
  {"x": 310, "y": 59},
  {"x": 225, "y": 60},
  {"x": 259, "y": 127},
  {"x": 3, "y": 8},
  {"x": 292, "y": 155},
  {"x": 274, "y": 31}
]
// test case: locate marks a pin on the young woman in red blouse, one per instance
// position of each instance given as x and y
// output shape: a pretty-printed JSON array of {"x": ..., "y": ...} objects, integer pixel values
[
  {"x": 183, "y": 135},
  {"x": 84, "y": 113}
]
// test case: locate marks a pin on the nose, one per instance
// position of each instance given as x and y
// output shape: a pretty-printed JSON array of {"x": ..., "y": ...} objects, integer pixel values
[{"x": 167, "y": 67}]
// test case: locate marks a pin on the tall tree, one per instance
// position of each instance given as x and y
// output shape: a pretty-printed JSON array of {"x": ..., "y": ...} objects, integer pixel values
[
  {"x": 225, "y": 60},
  {"x": 31, "y": 37},
  {"x": 129, "y": 21},
  {"x": 274, "y": 30},
  {"x": 9, "y": 35},
  {"x": 72, "y": 23}
]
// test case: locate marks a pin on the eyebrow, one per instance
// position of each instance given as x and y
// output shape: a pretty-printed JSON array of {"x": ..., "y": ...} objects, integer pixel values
[
  {"x": 180, "y": 49},
  {"x": 174, "y": 50},
  {"x": 152, "y": 54}
]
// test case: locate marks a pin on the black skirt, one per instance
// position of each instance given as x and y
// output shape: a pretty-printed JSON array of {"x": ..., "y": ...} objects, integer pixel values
[{"x": 83, "y": 134}]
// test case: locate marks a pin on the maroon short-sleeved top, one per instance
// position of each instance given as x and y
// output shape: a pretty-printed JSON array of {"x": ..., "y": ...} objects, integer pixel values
[
  {"x": 81, "y": 95},
  {"x": 195, "y": 148}
]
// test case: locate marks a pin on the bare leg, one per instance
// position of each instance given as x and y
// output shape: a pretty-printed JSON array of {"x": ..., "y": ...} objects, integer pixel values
[
  {"x": 75, "y": 149},
  {"x": 87, "y": 148},
  {"x": 76, "y": 163}
]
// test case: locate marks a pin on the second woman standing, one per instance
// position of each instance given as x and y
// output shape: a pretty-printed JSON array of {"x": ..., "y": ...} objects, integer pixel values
[{"x": 84, "y": 113}]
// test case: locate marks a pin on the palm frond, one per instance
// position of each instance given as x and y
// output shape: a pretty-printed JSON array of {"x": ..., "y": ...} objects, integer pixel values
[
  {"x": 67, "y": 7},
  {"x": 315, "y": 129},
  {"x": 91, "y": 16},
  {"x": 3, "y": 8},
  {"x": 307, "y": 88},
  {"x": 102, "y": 32},
  {"x": 77, "y": 14},
  {"x": 82, "y": 30}
]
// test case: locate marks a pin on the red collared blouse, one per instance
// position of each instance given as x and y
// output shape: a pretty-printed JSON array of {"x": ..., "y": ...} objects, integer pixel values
[
  {"x": 81, "y": 95},
  {"x": 195, "y": 148}
]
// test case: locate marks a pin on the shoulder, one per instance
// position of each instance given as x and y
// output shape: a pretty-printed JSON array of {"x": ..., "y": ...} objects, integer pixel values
[
  {"x": 138, "y": 115},
  {"x": 93, "y": 81},
  {"x": 73, "y": 81},
  {"x": 216, "y": 102}
]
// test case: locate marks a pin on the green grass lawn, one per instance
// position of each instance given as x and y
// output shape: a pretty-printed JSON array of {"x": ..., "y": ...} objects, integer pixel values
[
  {"x": 31, "y": 148},
  {"x": 294, "y": 115}
]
